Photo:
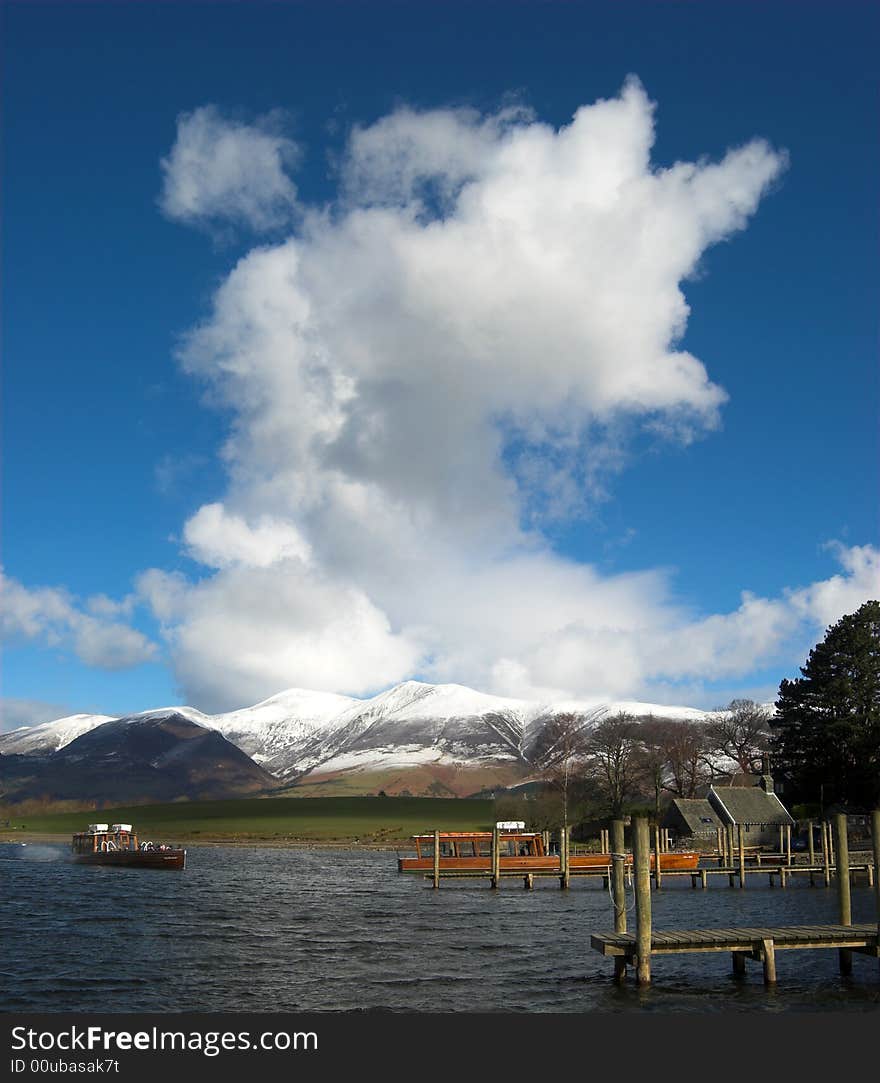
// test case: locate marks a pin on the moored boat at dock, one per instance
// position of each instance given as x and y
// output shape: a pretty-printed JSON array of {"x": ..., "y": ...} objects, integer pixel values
[
  {"x": 519, "y": 850},
  {"x": 118, "y": 845}
]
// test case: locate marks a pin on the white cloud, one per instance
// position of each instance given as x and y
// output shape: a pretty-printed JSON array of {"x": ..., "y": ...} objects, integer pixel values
[
  {"x": 249, "y": 629},
  {"x": 220, "y": 169},
  {"x": 16, "y": 712},
  {"x": 218, "y": 539},
  {"x": 458, "y": 346},
  {"x": 51, "y": 616}
]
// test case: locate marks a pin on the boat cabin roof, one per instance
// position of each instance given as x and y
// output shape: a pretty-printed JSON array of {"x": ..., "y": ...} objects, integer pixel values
[{"x": 503, "y": 833}]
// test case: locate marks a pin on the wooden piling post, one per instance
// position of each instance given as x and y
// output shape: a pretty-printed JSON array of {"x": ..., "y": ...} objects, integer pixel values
[
  {"x": 788, "y": 844},
  {"x": 529, "y": 881},
  {"x": 436, "y": 859},
  {"x": 496, "y": 859},
  {"x": 642, "y": 862},
  {"x": 618, "y": 894},
  {"x": 812, "y": 851},
  {"x": 875, "y": 842},
  {"x": 768, "y": 956},
  {"x": 742, "y": 855},
  {"x": 704, "y": 879},
  {"x": 564, "y": 871},
  {"x": 843, "y": 888},
  {"x": 718, "y": 836},
  {"x": 826, "y": 855},
  {"x": 739, "y": 962},
  {"x": 658, "y": 875}
]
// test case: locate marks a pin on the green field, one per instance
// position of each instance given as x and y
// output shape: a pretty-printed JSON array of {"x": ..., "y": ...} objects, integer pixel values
[{"x": 366, "y": 820}]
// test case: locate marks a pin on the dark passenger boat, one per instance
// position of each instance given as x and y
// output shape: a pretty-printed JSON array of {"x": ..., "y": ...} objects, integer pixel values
[{"x": 117, "y": 844}]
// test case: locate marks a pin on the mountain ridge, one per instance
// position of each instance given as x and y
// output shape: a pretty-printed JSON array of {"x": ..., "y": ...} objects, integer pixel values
[{"x": 447, "y": 736}]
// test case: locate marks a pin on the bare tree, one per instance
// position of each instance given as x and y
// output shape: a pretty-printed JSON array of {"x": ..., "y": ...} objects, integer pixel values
[
  {"x": 613, "y": 750},
  {"x": 741, "y": 731},
  {"x": 690, "y": 768},
  {"x": 559, "y": 753},
  {"x": 656, "y": 737}
]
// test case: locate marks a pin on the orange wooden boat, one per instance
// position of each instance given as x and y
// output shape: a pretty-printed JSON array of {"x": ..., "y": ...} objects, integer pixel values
[{"x": 521, "y": 851}]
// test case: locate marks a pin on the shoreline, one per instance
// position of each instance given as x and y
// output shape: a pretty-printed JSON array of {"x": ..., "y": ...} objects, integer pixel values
[{"x": 31, "y": 838}]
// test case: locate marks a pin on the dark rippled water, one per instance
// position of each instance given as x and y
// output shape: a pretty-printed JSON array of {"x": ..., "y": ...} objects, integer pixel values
[{"x": 273, "y": 930}]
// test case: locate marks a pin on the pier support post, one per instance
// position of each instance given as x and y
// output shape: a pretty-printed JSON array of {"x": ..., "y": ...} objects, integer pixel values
[
  {"x": 768, "y": 957},
  {"x": 739, "y": 962},
  {"x": 843, "y": 886},
  {"x": 788, "y": 844},
  {"x": 875, "y": 842},
  {"x": 720, "y": 844},
  {"x": 436, "y": 859},
  {"x": 618, "y": 894},
  {"x": 742, "y": 855},
  {"x": 496, "y": 859},
  {"x": 564, "y": 870},
  {"x": 811, "y": 850},
  {"x": 704, "y": 879},
  {"x": 642, "y": 862},
  {"x": 529, "y": 881},
  {"x": 658, "y": 875},
  {"x": 826, "y": 856}
]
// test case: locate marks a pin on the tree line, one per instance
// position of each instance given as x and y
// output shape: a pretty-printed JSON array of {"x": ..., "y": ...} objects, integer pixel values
[{"x": 623, "y": 762}]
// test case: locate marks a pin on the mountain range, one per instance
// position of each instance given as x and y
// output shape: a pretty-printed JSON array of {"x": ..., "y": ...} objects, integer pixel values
[{"x": 414, "y": 738}]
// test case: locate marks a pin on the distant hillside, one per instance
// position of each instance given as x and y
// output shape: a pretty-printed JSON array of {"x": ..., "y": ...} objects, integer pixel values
[{"x": 136, "y": 759}]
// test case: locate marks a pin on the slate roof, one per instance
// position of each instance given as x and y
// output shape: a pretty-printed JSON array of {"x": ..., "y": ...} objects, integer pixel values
[
  {"x": 695, "y": 811},
  {"x": 739, "y": 805}
]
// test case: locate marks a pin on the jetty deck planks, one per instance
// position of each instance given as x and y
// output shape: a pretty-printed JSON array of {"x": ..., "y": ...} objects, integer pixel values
[{"x": 858, "y": 937}]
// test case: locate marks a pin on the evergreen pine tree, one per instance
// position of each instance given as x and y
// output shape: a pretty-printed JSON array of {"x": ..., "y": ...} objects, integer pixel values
[{"x": 827, "y": 727}]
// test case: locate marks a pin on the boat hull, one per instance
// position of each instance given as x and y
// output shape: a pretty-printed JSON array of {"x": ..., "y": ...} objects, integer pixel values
[
  {"x": 684, "y": 860},
  {"x": 135, "y": 859}
]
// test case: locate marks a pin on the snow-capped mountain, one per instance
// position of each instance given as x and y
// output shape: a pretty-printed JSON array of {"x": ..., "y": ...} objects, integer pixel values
[
  {"x": 442, "y": 731},
  {"x": 49, "y": 736},
  {"x": 154, "y": 756}
]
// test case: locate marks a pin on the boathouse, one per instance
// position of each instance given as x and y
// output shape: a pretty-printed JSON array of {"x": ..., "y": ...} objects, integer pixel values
[
  {"x": 757, "y": 808},
  {"x": 748, "y": 800},
  {"x": 691, "y": 817}
]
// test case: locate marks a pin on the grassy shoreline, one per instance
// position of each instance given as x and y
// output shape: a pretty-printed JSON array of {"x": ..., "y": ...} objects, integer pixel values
[{"x": 380, "y": 823}]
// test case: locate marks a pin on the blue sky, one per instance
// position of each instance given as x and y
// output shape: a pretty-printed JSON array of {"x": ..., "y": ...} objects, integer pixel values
[{"x": 633, "y": 518}]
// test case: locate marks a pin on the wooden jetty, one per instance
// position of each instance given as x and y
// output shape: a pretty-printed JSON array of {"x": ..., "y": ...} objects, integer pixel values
[
  {"x": 747, "y": 943},
  {"x": 743, "y": 943}
]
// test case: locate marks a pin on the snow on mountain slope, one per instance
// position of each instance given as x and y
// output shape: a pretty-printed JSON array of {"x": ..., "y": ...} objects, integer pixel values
[
  {"x": 415, "y": 723},
  {"x": 49, "y": 736},
  {"x": 52, "y": 736},
  {"x": 272, "y": 731}
]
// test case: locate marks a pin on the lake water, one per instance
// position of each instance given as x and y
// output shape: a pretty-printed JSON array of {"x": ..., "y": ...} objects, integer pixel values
[{"x": 274, "y": 930}]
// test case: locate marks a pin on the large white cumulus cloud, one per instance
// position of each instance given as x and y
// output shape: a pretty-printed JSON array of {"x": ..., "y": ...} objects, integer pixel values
[{"x": 428, "y": 368}]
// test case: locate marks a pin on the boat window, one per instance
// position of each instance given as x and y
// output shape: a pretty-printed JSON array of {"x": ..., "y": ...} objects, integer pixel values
[{"x": 484, "y": 847}]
